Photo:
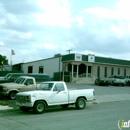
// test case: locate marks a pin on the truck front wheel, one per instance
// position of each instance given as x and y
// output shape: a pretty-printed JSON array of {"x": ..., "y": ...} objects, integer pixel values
[
  {"x": 39, "y": 107},
  {"x": 80, "y": 103},
  {"x": 12, "y": 95}
]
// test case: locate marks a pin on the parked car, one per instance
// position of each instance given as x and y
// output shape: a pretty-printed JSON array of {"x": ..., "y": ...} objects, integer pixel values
[
  {"x": 127, "y": 80},
  {"x": 11, "y": 77},
  {"x": 102, "y": 81},
  {"x": 22, "y": 83},
  {"x": 53, "y": 93},
  {"x": 117, "y": 80},
  {"x": 40, "y": 77}
]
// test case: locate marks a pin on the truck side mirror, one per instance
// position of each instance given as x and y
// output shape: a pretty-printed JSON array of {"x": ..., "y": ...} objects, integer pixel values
[{"x": 26, "y": 83}]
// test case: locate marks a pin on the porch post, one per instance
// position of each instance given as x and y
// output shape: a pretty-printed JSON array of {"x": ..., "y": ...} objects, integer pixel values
[
  {"x": 86, "y": 71},
  {"x": 77, "y": 71},
  {"x": 72, "y": 70},
  {"x": 66, "y": 67}
]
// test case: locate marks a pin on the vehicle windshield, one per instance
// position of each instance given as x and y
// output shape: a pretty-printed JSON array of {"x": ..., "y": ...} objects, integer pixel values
[
  {"x": 8, "y": 76},
  {"x": 45, "y": 86},
  {"x": 20, "y": 80},
  {"x": 119, "y": 77},
  {"x": 103, "y": 79}
]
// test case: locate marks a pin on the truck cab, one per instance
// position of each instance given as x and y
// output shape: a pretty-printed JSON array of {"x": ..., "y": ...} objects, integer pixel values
[{"x": 21, "y": 84}]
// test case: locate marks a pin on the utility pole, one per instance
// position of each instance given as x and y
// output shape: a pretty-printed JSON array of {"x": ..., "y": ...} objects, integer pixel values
[{"x": 69, "y": 50}]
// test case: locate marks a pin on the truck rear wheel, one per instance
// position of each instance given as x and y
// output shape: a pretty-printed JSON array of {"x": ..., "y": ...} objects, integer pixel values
[
  {"x": 12, "y": 95},
  {"x": 39, "y": 107},
  {"x": 80, "y": 103}
]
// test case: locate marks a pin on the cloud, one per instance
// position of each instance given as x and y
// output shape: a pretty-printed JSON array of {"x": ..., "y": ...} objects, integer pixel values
[
  {"x": 55, "y": 14},
  {"x": 41, "y": 28},
  {"x": 103, "y": 28},
  {"x": 1, "y": 43}
]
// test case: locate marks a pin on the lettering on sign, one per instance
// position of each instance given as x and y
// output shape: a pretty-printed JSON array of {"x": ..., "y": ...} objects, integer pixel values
[{"x": 78, "y": 57}]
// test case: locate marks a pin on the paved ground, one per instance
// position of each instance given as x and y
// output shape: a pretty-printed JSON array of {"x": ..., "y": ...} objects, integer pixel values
[
  {"x": 103, "y": 95},
  {"x": 99, "y": 99}
]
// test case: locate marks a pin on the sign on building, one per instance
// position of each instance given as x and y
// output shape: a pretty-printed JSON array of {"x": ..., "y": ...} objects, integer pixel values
[
  {"x": 91, "y": 58},
  {"x": 78, "y": 57}
]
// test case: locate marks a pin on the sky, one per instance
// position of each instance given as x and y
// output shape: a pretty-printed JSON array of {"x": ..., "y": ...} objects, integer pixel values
[{"x": 39, "y": 29}]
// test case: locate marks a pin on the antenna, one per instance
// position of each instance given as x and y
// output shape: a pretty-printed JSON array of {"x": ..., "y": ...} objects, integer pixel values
[{"x": 69, "y": 50}]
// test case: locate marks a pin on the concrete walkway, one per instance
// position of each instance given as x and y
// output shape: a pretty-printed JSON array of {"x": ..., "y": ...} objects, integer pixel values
[{"x": 99, "y": 99}]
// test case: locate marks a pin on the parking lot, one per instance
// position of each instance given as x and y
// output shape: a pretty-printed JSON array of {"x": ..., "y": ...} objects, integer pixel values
[{"x": 102, "y": 93}]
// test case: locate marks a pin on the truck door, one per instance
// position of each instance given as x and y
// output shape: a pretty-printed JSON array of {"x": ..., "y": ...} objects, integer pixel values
[
  {"x": 59, "y": 94},
  {"x": 28, "y": 85}
]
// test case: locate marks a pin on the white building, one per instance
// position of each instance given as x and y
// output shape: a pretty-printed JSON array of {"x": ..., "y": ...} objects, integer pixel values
[{"x": 78, "y": 67}]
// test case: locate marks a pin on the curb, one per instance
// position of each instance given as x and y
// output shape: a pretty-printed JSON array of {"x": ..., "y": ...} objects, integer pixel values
[{"x": 5, "y": 108}]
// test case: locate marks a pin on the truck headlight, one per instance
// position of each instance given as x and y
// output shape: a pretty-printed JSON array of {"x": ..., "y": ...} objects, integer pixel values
[
  {"x": 5, "y": 89},
  {"x": 28, "y": 98}
]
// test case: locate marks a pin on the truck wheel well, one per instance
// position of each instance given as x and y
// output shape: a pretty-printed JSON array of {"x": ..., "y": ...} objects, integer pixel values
[
  {"x": 82, "y": 97},
  {"x": 12, "y": 94},
  {"x": 13, "y": 91},
  {"x": 42, "y": 101}
]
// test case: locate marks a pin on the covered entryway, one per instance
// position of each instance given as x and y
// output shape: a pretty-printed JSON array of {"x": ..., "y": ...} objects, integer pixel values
[
  {"x": 77, "y": 70},
  {"x": 82, "y": 69}
]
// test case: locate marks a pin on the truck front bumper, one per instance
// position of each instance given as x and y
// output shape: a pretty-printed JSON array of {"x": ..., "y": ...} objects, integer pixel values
[
  {"x": 4, "y": 94},
  {"x": 24, "y": 104}
]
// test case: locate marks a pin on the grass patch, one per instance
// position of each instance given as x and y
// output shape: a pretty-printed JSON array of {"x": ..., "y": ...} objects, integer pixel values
[{"x": 4, "y": 103}]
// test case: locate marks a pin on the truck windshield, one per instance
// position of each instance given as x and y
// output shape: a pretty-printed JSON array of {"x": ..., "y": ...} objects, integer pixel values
[
  {"x": 8, "y": 76},
  {"x": 20, "y": 80},
  {"x": 45, "y": 86}
]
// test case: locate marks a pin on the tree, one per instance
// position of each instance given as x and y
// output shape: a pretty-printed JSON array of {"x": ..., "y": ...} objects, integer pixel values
[
  {"x": 57, "y": 55},
  {"x": 3, "y": 60}
]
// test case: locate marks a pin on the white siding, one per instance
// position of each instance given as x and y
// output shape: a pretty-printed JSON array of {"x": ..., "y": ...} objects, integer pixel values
[{"x": 50, "y": 66}]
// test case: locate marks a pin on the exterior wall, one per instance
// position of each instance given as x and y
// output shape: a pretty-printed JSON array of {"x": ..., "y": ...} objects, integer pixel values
[
  {"x": 59, "y": 64},
  {"x": 109, "y": 67},
  {"x": 50, "y": 66}
]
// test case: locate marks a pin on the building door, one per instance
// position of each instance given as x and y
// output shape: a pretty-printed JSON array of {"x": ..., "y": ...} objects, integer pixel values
[
  {"x": 30, "y": 69},
  {"x": 82, "y": 69}
]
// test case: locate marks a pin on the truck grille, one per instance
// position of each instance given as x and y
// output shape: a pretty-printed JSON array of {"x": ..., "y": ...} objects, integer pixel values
[
  {"x": 23, "y": 99},
  {"x": 1, "y": 88}
]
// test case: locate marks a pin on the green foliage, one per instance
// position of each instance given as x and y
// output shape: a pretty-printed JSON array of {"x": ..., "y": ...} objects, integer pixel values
[
  {"x": 57, "y": 55},
  {"x": 3, "y": 60}
]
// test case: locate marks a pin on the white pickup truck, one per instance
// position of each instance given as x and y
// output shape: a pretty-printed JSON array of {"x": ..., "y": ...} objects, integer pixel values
[
  {"x": 21, "y": 84},
  {"x": 53, "y": 93}
]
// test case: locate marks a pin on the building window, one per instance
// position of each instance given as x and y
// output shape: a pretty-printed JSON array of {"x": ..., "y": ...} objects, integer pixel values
[
  {"x": 30, "y": 69},
  {"x": 125, "y": 72},
  {"x": 105, "y": 72},
  {"x": 112, "y": 71},
  {"x": 98, "y": 71},
  {"x": 118, "y": 71},
  {"x": 41, "y": 69}
]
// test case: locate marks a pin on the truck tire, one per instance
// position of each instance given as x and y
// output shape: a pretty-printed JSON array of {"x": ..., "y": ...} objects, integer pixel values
[
  {"x": 64, "y": 106},
  {"x": 12, "y": 95},
  {"x": 25, "y": 109},
  {"x": 39, "y": 107},
  {"x": 80, "y": 103}
]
